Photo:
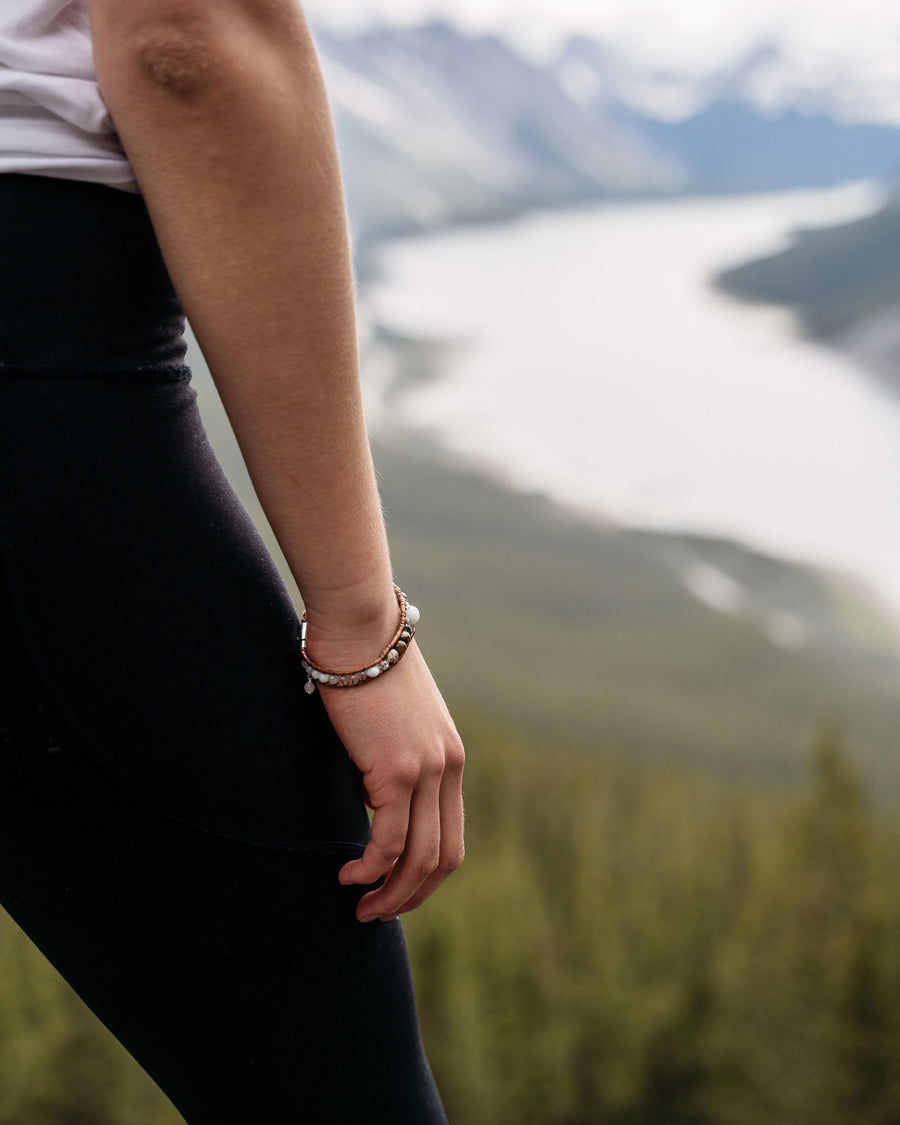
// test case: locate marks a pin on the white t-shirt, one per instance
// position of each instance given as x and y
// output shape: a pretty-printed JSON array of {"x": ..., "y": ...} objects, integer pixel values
[{"x": 53, "y": 121}]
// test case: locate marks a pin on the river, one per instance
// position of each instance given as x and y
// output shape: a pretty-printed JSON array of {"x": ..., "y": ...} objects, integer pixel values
[{"x": 594, "y": 363}]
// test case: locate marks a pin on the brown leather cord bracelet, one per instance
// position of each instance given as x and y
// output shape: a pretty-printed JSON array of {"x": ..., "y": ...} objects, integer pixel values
[{"x": 390, "y": 655}]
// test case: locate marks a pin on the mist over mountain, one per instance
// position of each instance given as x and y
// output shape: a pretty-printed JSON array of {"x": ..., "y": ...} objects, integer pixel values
[
  {"x": 755, "y": 125},
  {"x": 437, "y": 125},
  {"x": 770, "y": 75}
]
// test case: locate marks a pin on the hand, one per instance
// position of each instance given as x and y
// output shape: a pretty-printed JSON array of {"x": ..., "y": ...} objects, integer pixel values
[{"x": 399, "y": 734}]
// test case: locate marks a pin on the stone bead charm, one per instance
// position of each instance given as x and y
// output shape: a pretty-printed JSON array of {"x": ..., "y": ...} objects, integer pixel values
[{"x": 390, "y": 655}]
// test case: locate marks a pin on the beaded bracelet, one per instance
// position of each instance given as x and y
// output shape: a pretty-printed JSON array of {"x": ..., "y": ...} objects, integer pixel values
[{"x": 390, "y": 654}]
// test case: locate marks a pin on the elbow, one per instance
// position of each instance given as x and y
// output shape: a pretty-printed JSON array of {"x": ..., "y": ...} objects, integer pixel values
[
  {"x": 185, "y": 48},
  {"x": 176, "y": 64},
  {"x": 183, "y": 52},
  {"x": 176, "y": 56},
  {"x": 182, "y": 56}
]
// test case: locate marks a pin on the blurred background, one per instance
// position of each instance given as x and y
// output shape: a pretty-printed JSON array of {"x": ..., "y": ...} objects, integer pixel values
[{"x": 629, "y": 287}]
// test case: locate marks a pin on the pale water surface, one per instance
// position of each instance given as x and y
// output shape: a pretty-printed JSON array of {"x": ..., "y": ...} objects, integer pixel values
[{"x": 597, "y": 365}]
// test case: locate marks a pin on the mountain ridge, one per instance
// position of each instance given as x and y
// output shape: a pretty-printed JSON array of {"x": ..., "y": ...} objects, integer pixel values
[{"x": 437, "y": 126}]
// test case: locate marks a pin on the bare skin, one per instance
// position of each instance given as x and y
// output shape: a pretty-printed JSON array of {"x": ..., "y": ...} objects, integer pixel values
[{"x": 222, "y": 111}]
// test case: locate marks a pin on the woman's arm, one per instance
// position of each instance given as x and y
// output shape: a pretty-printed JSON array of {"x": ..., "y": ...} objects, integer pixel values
[{"x": 222, "y": 112}]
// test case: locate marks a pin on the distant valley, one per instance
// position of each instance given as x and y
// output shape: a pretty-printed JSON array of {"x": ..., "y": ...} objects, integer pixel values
[
  {"x": 660, "y": 647},
  {"x": 437, "y": 126}
]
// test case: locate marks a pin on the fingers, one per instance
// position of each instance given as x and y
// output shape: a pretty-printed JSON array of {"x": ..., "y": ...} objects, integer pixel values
[
  {"x": 417, "y": 863},
  {"x": 432, "y": 847},
  {"x": 390, "y": 828},
  {"x": 452, "y": 849},
  {"x": 399, "y": 735}
]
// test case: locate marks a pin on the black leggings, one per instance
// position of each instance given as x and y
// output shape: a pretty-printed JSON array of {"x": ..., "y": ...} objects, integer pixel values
[{"x": 173, "y": 808}]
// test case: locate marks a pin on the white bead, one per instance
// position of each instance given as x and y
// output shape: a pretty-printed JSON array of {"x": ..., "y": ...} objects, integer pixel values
[
  {"x": 333, "y": 680},
  {"x": 412, "y": 615},
  {"x": 373, "y": 672}
]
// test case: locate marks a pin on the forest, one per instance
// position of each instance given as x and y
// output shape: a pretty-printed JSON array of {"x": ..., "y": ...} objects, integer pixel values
[{"x": 624, "y": 945}]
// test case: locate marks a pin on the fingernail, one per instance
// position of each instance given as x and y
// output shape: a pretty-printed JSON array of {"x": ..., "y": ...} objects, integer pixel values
[{"x": 368, "y": 918}]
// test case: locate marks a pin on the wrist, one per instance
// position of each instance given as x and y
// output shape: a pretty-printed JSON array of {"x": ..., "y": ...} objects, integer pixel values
[
  {"x": 351, "y": 670},
  {"x": 349, "y": 608},
  {"x": 345, "y": 632}
]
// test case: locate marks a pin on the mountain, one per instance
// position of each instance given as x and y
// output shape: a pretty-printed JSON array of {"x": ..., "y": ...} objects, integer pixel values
[
  {"x": 438, "y": 126},
  {"x": 843, "y": 284},
  {"x": 771, "y": 75},
  {"x": 752, "y": 125},
  {"x": 833, "y": 277},
  {"x": 732, "y": 146},
  {"x": 435, "y": 125}
]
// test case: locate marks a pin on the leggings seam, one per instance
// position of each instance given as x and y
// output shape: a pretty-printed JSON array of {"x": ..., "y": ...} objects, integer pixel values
[{"x": 162, "y": 373}]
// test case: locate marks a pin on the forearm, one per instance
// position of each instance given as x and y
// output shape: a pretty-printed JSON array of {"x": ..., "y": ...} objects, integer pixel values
[
  {"x": 225, "y": 120},
  {"x": 220, "y": 107}
]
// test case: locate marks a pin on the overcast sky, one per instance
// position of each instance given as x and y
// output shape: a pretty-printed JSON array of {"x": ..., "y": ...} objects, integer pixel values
[{"x": 683, "y": 33}]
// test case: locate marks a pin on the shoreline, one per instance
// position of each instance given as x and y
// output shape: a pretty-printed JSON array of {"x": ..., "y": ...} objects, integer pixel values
[
  {"x": 418, "y": 361},
  {"x": 767, "y": 468}
]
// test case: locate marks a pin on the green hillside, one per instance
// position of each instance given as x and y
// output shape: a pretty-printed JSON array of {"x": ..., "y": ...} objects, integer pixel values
[
  {"x": 833, "y": 277},
  {"x": 583, "y": 634},
  {"x": 623, "y": 945}
]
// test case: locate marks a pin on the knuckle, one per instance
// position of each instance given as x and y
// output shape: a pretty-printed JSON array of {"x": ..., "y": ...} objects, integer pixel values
[
  {"x": 455, "y": 755},
  {"x": 391, "y": 848},
  {"x": 406, "y": 772},
  {"x": 433, "y": 765},
  {"x": 423, "y": 868},
  {"x": 453, "y": 861}
]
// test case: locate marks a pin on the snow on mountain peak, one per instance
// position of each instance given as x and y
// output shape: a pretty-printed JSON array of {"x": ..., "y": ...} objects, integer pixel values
[{"x": 774, "y": 74}]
